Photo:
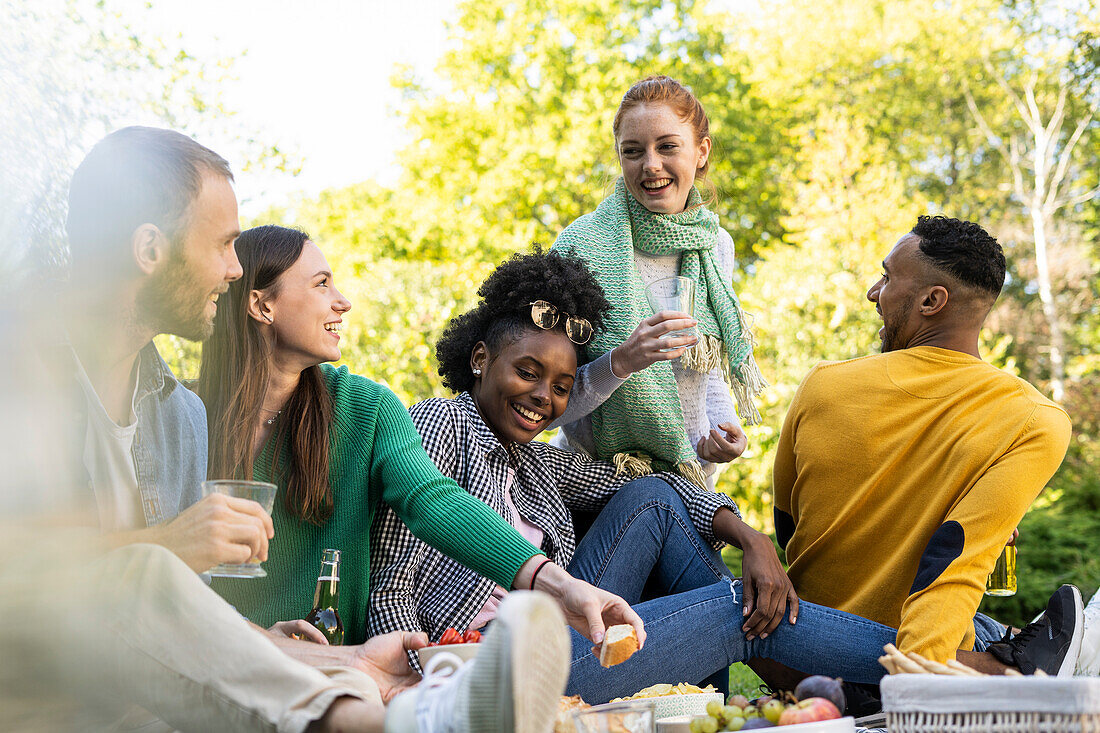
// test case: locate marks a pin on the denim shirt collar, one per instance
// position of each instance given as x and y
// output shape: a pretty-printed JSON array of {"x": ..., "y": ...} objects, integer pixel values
[{"x": 153, "y": 374}]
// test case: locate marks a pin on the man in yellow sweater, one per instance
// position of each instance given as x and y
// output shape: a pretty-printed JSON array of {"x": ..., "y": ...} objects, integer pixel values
[{"x": 900, "y": 476}]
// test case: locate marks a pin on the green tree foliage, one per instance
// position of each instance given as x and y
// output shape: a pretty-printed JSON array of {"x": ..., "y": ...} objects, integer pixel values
[
  {"x": 70, "y": 72},
  {"x": 518, "y": 143},
  {"x": 893, "y": 68}
]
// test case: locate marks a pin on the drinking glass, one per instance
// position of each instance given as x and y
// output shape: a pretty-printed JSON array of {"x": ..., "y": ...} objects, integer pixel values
[
  {"x": 673, "y": 294},
  {"x": 634, "y": 716},
  {"x": 1002, "y": 581},
  {"x": 257, "y": 491}
]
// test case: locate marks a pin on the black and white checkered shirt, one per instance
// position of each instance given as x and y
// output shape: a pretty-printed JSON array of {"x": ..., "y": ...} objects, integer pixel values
[{"x": 417, "y": 588}]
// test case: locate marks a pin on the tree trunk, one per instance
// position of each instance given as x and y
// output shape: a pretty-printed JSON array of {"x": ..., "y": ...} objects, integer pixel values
[{"x": 1050, "y": 311}]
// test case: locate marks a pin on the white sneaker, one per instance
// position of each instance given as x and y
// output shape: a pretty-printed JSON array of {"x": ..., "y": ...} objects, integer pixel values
[
  {"x": 1088, "y": 662},
  {"x": 513, "y": 684}
]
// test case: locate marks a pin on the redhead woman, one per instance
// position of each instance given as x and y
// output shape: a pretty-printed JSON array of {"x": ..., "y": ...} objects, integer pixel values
[
  {"x": 339, "y": 446},
  {"x": 646, "y": 401}
]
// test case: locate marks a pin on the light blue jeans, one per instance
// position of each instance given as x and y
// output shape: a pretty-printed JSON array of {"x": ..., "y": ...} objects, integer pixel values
[
  {"x": 696, "y": 630},
  {"x": 986, "y": 631}
]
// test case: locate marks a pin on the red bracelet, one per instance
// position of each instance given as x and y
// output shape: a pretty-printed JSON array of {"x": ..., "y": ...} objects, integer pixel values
[{"x": 545, "y": 562}]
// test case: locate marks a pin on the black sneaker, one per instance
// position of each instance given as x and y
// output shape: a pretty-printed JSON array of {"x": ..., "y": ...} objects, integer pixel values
[
  {"x": 862, "y": 699},
  {"x": 1052, "y": 643}
]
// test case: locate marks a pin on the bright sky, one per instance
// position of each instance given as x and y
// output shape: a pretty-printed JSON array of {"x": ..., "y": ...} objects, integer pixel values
[{"x": 315, "y": 79}]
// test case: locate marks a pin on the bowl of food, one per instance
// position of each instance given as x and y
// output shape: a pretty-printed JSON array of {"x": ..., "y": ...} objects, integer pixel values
[
  {"x": 462, "y": 647},
  {"x": 675, "y": 700}
]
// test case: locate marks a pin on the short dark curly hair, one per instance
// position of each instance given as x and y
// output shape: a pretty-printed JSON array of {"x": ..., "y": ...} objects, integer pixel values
[
  {"x": 503, "y": 315},
  {"x": 963, "y": 250}
]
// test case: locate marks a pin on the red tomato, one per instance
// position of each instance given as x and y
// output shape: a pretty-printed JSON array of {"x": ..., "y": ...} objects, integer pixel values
[
  {"x": 450, "y": 636},
  {"x": 472, "y": 636}
]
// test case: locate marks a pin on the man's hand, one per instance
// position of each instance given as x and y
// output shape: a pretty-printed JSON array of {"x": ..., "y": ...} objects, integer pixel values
[
  {"x": 384, "y": 659},
  {"x": 765, "y": 588},
  {"x": 645, "y": 347},
  {"x": 300, "y": 629},
  {"x": 718, "y": 448},
  {"x": 587, "y": 608},
  {"x": 218, "y": 529}
]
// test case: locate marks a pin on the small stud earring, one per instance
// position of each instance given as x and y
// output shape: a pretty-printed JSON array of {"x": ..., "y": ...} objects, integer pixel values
[{"x": 477, "y": 372}]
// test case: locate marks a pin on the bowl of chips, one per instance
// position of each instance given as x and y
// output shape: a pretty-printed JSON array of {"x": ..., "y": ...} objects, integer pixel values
[{"x": 672, "y": 700}]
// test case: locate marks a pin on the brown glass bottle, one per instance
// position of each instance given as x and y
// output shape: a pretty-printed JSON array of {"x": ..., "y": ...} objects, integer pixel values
[{"x": 326, "y": 599}]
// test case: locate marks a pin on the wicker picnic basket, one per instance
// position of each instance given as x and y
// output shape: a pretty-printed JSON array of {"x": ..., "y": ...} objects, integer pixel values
[{"x": 926, "y": 703}]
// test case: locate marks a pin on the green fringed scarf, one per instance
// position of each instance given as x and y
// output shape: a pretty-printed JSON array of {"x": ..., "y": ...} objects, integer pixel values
[{"x": 640, "y": 428}]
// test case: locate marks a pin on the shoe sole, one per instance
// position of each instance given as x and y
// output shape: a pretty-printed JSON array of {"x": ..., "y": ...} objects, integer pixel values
[
  {"x": 540, "y": 671},
  {"x": 1069, "y": 663},
  {"x": 539, "y": 650}
]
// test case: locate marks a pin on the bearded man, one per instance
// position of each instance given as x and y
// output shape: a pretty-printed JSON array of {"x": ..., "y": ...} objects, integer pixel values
[{"x": 900, "y": 476}]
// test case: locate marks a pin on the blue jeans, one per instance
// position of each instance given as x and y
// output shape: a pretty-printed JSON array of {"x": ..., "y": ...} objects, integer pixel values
[
  {"x": 696, "y": 630},
  {"x": 986, "y": 631}
]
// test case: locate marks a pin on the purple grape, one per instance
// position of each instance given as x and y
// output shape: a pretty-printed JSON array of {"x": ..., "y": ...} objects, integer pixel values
[{"x": 754, "y": 723}]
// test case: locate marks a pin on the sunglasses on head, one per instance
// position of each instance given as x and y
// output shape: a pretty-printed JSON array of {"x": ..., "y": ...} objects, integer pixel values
[{"x": 546, "y": 315}]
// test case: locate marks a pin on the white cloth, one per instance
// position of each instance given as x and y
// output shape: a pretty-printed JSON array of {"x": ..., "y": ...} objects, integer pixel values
[
  {"x": 932, "y": 693},
  {"x": 1088, "y": 661},
  {"x": 108, "y": 457}
]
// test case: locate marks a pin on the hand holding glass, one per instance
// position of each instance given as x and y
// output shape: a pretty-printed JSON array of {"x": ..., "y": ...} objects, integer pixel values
[
  {"x": 257, "y": 491},
  {"x": 673, "y": 294}
]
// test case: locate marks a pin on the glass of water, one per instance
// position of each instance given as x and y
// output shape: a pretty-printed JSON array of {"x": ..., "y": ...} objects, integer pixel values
[
  {"x": 257, "y": 491},
  {"x": 673, "y": 294}
]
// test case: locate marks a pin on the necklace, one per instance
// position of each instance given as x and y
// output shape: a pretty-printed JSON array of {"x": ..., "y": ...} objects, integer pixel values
[{"x": 271, "y": 420}]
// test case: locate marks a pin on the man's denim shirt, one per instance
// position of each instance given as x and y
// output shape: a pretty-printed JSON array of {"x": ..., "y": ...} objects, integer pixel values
[{"x": 169, "y": 448}]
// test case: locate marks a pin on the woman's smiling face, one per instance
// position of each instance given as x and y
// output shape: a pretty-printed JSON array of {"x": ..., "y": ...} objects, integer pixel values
[
  {"x": 307, "y": 311},
  {"x": 660, "y": 157},
  {"x": 525, "y": 386}
]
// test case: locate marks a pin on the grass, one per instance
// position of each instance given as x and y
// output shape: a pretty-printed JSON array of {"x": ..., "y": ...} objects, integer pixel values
[{"x": 743, "y": 681}]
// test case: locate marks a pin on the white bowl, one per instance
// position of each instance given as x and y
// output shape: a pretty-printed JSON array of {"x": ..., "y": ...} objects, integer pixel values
[
  {"x": 464, "y": 653},
  {"x": 694, "y": 703},
  {"x": 837, "y": 725},
  {"x": 680, "y": 724}
]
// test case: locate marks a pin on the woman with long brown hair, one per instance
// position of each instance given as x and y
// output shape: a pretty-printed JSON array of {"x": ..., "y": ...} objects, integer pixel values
[{"x": 338, "y": 445}]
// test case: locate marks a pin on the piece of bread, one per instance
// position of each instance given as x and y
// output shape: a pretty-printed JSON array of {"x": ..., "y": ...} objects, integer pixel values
[{"x": 619, "y": 644}]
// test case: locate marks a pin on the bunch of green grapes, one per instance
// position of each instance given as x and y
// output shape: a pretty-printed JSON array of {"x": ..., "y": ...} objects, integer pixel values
[{"x": 739, "y": 714}]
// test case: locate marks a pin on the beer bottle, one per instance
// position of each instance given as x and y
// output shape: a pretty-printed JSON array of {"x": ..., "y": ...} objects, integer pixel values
[{"x": 326, "y": 599}]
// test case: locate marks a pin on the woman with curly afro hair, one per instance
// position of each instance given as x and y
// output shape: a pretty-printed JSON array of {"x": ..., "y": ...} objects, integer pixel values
[{"x": 513, "y": 361}]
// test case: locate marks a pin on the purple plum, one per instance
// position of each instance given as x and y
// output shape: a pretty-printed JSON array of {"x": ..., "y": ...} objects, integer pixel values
[{"x": 821, "y": 686}]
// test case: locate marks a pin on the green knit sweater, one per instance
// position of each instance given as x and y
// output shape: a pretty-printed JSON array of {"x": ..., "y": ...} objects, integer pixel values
[{"x": 376, "y": 456}]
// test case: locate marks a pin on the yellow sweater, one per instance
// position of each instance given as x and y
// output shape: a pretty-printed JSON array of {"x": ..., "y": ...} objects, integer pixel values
[{"x": 898, "y": 479}]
